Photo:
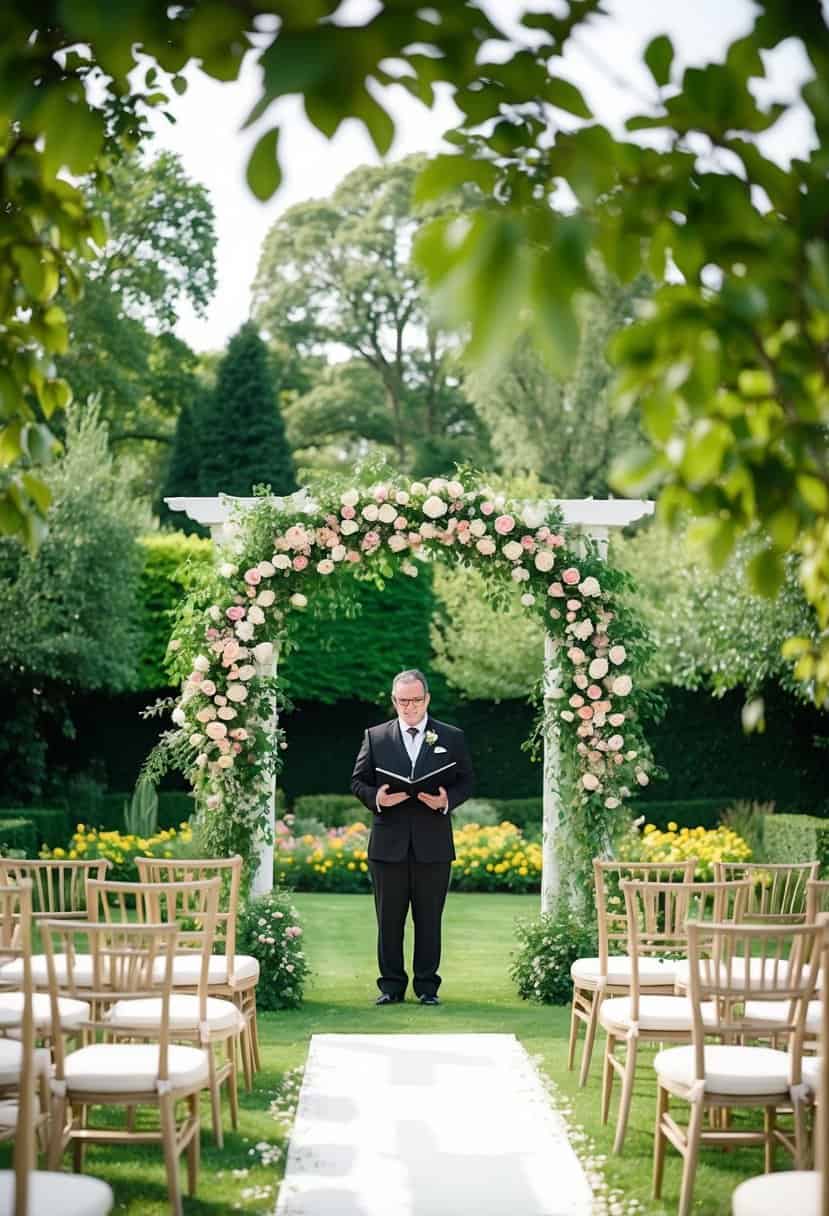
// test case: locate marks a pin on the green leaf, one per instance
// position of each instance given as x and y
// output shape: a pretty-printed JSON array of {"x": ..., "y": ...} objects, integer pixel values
[
  {"x": 783, "y": 527},
  {"x": 814, "y": 492},
  {"x": 766, "y": 572},
  {"x": 38, "y": 491},
  {"x": 716, "y": 536},
  {"x": 565, "y": 96},
  {"x": 659, "y": 55},
  {"x": 638, "y": 471},
  {"x": 32, "y": 271},
  {"x": 11, "y": 442},
  {"x": 793, "y": 648},
  {"x": 263, "y": 172}
]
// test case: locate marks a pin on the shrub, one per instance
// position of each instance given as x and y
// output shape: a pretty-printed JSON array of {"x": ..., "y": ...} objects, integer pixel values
[
  {"x": 495, "y": 859},
  {"x": 18, "y": 835},
  {"x": 121, "y": 849},
  {"x": 141, "y": 814},
  {"x": 680, "y": 844},
  {"x": 526, "y": 813},
  {"x": 797, "y": 838},
  {"x": 334, "y": 810},
  {"x": 548, "y": 948},
  {"x": 51, "y": 823},
  {"x": 748, "y": 819},
  {"x": 269, "y": 929},
  {"x": 477, "y": 811}
]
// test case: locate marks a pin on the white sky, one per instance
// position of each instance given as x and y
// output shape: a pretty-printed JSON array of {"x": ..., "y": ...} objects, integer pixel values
[{"x": 208, "y": 137}]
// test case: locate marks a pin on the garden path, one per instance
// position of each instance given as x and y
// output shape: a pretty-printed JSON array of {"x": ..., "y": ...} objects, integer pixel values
[{"x": 427, "y": 1125}]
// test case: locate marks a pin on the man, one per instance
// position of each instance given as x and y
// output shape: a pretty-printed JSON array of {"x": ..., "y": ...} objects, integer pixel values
[{"x": 411, "y": 849}]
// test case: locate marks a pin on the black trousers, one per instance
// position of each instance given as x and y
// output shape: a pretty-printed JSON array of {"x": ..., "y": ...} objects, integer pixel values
[{"x": 397, "y": 885}]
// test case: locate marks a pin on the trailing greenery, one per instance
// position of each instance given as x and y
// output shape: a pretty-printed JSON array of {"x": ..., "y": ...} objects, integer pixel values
[
  {"x": 269, "y": 929},
  {"x": 797, "y": 838},
  {"x": 18, "y": 835},
  {"x": 548, "y": 948}
]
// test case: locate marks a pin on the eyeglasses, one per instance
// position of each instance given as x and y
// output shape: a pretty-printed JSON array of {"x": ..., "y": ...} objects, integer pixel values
[{"x": 405, "y": 702}]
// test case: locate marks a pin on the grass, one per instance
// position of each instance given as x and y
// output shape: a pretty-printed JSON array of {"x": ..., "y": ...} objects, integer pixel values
[{"x": 478, "y": 996}]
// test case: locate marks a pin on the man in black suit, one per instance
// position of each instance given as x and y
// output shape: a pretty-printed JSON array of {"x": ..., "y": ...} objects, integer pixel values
[{"x": 411, "y": 849}]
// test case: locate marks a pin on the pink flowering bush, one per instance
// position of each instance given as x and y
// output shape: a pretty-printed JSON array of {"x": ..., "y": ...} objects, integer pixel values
[{"x": 269, "y": 929}]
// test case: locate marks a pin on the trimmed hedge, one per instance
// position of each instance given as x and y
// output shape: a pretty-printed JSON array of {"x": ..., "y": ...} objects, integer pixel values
[
  {"x": 50, "y": 823},
  {"x": 525, "y": 813},
  {"x": 162, "y": 588},
  {"x": 685, "y": 813},
  {"x": 20, "y": 835},
  {"x": 332, "y": 810},
  {"x": 796, "y": 838}
]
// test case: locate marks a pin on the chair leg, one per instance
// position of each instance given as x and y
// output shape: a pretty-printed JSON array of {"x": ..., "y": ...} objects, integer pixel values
[
  {"x": 215, "y": 1098},
  {"x": 167, "y": 1119},
  {"x": 79, "y": 1146},
  {"x": 691, "y": 1155},
  {"x": 254, "y": 1025},
  {"x": 801, "y": 1139},
  {"x": 660, "y": 1141},
  {"x": 574, "y": 1033},
  {"x": 247, "y": 1056},
  {"x": 193, "y": 1146},
  {"x": 589, "y": 1039},
  {"x": 626, "y": 1096},
  {"x": 607, "y": 1076},
  {"x": 57, "y": 1133},
  {"x": 233, "y": 1082},
  {"x": 769, "y": 1124}
]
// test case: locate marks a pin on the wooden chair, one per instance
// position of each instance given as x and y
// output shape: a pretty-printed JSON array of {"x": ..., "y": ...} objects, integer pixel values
[
  {"x": 194, "y": 1018},
  {"x": 779, "y": 891},
  {"x": 231, "y": 975},
  {"x": 125, "y": 964},
  {"x": 25, "y": 1191},
  {"x": 610, "y": 973},
  {"x": 717, "y": 1077},
  {"x": 657, "y": 913}
]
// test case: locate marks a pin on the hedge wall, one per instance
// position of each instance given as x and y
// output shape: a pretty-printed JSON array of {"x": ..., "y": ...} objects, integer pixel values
[
  {"x": 162, "y": 587},
  {"x": 796, "y": 838},
  {"x": 20, "y": 835}
]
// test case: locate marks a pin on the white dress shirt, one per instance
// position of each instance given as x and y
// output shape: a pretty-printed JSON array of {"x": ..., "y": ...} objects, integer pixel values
[{"x": 412, "y": 744}]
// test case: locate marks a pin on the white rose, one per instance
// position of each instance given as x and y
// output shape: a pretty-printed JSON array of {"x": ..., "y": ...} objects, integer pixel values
[
  {"x": 298, "y": 600},
  {"x": 477, "y": 527},
  {"x": 175, "y": 643},
  {"x": 615, "y": 743},
  {"x": 179, "y": 716},
  {"x": 622, "y": 686},
  {"x": 201, "y": 760},
  {"x": 576, "y": 655},
  {"x": 247, "y": 672},
  {"x": 454, "y": 489},
  {"x": 567, "y": 715},
  {"x": 533, "y": 515},
  {"x": 387, "y": 513},
  {"x": 370, "y": 512},
  {"x": 434, "y": 507},
  {"x": 617, "y": 654},
  {"x": 409, "y": 568},
  {"x": 616, "y": 719},
  {"x": 437, "y": 484},
  {"x": 583, "y": 630},
  {"x": 201, "y": 663},
  {"x": 237, "y": 693},
  {"x": 266, "y": 569},
  {"x": 245, "y": 631},
  {"x": 215, "y": 730},
  {"x": 226, "y": 713},
  {"x": 428, "y": 531},
  {"x": 350, "y": 498},
  {"x": 642, "y": 778},
  {"x": 519, "y": 574},
  {"x": 207, "y": 714},
  {"x": 486, "y": 546},
  {"x": 225, "y": 761},
  {"x": 397, "y": 542},
  {"x": 227, "y": 569},
  {"x": 513, "y": 550},
  {"x": 255, "y": 615},
  {"x": 326, "y": 566},
  {"x": 265, "y": 598},
  {"x": 528, "y": 599},
  {"x": 349, "y": 526},
  {"x": 590, "y": 781},
  {"x": 417, "y": 487},
  {"x": 196, "y": 739},
  {"x": 545, "y": 559},
  {"x": 598, "y": 669},
  {"x": 401, "y": 497},
  {"x": 612, "y": 803},
  {"x": 580, "y": 680},
  {"x": 590, "y": 586},
  {"x": 263, "y": 653},
  {"x": 214, "y": 612},
  {"x": 281, "y": 561},
  {"x": 338, "y": 553}
]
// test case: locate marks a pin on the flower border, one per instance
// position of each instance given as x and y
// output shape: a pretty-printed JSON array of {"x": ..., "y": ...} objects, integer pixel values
[{"x": 282, "y": 551}]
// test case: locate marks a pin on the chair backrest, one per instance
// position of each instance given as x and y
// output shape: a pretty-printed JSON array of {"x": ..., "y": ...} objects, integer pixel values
[
  {"x": 611, "y": 915},
  {"x": 228, "y": 869},
  {"x": 779, "y": 889},
  {"x": 16, "y": 910},
  {"x": 191, "y": 906},
  {"x": 822, "y": 1129},
  {"x": 732, "y": 964},
  {"x": 817, "y": 899},
  {"x": 58, "y": 887},
  {"x": 658, "y": 913}
]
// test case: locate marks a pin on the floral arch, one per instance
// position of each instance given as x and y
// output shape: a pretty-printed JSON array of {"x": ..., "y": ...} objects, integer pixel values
[{"x": 279, "y": 553}]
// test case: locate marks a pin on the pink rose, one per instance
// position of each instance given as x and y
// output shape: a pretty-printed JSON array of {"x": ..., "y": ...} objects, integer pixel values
[
  {"x": 555, "y": 541},
  {"x": 208, "y": 688},
  {"x": 576, "y": 701},
  {"x": 487, "y": 508},
  {"x": 252, "y": 576},
  {"x": 556, "y": 589},
  {"x": 585, "y": 712},
  {"x": 528, "y": 542},
  {"x": 352, "y": 556},
  {"x": 400, "y": 523},
  {"x": 504, "y": 524},
  {"x": 590, "y": 781},
  {"x": 347, "y": 512},
  {"x": 299, "y": 562},
  {"x": 235, "y": 613},
  {"x": 594, "y": 692},
  {"x": 570, "y": 576}
]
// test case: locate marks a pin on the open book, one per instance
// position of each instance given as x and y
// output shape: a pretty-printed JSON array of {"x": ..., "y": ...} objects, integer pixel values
[{"x": 429, "y": 783}]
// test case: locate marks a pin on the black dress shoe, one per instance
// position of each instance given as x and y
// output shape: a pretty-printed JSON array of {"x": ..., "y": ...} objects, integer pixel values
[
  {"x": 427, "y": 999},
  {"x": 389, "y": 998}
]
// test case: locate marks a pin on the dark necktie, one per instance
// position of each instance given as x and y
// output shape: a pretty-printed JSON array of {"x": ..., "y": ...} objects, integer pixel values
[{"x": 412, "y": 730}]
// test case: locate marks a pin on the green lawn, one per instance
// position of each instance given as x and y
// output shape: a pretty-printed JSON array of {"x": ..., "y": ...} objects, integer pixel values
[{"x": 478, "y": 995}]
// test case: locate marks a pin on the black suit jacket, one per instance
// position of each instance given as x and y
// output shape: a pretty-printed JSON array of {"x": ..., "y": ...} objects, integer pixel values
[{"x": 395, "y": 828}]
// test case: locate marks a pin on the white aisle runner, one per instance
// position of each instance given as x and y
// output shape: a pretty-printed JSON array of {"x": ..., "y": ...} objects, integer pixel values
[{"x": 427, "y": 1125}]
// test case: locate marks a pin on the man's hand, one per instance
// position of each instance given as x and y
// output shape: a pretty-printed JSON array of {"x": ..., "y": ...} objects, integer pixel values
[
  {"x": 435, "y": 802},
  {"x": 384, "y": 798}
]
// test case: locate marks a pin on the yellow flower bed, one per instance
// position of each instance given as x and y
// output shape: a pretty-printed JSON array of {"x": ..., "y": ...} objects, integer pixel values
[
  {"x": 680, "y": 844},
  {"x": 121, "y": 849},
  {"x": 495, "y": 859}
]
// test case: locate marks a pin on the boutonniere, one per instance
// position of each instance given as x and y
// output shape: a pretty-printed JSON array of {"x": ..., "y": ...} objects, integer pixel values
[{"x": 431, "y": 737}]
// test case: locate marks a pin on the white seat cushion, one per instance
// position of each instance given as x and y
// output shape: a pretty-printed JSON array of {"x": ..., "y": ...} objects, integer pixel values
[
  {"x": 742, "y": 1071},
  {"x": 810, "y": 1069},
  {"x": 11, "y": 1056},
  {"x": 778, "y": 1011},
  {"x": 655, "y": 1013},
  {"x": 72, "y": 1013},
  {"x": 132, "y": 1068},
  {"x": 795, "y": 1191},
  {"x": 762, "y": 973},
  {"x": 653, "y": 972},
  {"x": 12, "y": 973},
  {"x": 145, "y": 1013},
  {"x": 69, "y": 1194},
  {"x": 187, "y": 970}
]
